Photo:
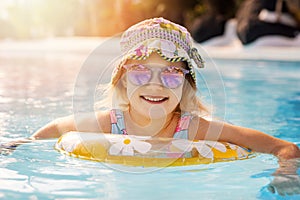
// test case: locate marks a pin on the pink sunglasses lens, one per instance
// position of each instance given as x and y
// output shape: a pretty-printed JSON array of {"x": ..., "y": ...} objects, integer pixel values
[
  {"x": 171, "y": 79},
  {"x": 139, "y": 75}
]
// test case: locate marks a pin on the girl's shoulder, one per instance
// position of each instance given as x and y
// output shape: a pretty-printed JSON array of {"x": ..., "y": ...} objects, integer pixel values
[
  {"x": 200, "y": 126},
  {"x": 104, "y": 121},
  {"x": 98, "y": 121}
]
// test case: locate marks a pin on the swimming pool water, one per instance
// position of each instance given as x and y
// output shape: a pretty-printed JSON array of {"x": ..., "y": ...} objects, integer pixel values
[{"x": 38, "y": 87}]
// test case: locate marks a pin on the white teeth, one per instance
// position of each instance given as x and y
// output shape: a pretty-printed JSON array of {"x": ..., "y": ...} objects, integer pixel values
[{"x": 154, "y": 99}]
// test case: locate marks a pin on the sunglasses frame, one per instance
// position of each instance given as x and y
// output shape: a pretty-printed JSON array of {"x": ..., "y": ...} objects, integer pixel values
[{"x": 148, "y": 66}]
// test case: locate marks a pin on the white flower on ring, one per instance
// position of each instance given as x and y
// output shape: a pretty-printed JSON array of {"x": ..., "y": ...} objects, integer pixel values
[
  {"x": 69, "y": 142},
  {"x": 126, "y": 145},
  {"x": 203, "y": 147},
  {"x": 241, "y": 152}
]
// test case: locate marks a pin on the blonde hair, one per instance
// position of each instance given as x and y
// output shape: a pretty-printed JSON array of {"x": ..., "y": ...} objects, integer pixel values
[{"x": 115, "y": 96}]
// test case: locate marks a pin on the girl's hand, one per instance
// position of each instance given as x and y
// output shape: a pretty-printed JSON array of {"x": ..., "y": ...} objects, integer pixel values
[
  {"x": 285, "y": 184},
  {"x": 286, "y": 180},
  {"x": 287, "y": 151},
  {"x": 8, "y": 148}
]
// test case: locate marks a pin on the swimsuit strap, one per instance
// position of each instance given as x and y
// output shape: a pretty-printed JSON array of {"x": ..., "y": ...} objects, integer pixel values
[
  {"x": 117, "y": 122},
  {"x": 181, "y": 131},
  {"x": 118, "y": 125}
]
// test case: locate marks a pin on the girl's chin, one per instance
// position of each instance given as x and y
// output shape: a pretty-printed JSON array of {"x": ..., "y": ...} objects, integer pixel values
[{"x": 157, "y": 112}]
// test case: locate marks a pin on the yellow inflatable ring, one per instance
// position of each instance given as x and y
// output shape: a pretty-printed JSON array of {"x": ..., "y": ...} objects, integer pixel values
[{"x": 147, "y": 151}]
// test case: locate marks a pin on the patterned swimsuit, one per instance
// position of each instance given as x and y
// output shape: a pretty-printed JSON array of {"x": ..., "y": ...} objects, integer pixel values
[{"x": 118, "y": 125}]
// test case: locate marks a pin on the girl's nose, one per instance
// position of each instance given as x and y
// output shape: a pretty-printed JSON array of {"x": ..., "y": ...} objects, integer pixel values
[{"x": 155, "y": 79}]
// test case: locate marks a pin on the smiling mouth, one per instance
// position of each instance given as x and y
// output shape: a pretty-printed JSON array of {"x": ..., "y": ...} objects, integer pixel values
[{"x": 154, "y": 100}]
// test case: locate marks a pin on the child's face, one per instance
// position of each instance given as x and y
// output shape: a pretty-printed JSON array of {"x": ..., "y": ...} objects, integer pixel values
[{"x": 156, "y": 97}]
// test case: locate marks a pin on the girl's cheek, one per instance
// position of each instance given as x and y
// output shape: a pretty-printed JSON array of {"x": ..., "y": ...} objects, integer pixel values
[
  {"x": 131, "y": 90},
  {"x": 177, "y": 93}
]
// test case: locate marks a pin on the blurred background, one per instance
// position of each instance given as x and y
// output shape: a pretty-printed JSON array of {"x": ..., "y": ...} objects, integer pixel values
[
  {"x": 28, "y": 19},
  {"x": 205, "y": 19}
]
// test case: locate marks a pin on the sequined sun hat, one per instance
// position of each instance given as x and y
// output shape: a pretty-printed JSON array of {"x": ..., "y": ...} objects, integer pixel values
[{"x": 171, "y": 41}]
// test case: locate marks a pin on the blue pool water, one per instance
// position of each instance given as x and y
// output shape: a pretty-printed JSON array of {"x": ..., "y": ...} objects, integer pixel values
[{"x": 38, "y": 87}]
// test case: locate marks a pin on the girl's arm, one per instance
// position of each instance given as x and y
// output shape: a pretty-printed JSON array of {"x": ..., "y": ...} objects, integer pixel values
[
  {"x": 260, "y": 142},
  {"x": 253, "y": 139},
  {"x": 87, "y": 122},
  {"x": 55, "y": 128}
]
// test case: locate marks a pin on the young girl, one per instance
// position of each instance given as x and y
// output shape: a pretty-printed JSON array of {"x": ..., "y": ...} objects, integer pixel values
[{"x": 153, "y": 93}]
